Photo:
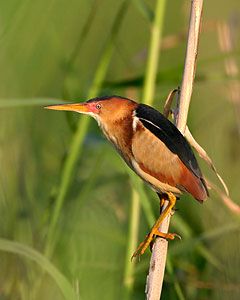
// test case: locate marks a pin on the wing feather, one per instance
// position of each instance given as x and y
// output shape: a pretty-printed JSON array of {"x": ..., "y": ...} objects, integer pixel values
[
  {"x": 176, "y": 163},
  {"x": 168, "y": 133}
]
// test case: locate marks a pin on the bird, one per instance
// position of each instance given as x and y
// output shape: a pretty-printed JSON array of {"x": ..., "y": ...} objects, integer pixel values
[{"x": 152, "y": 146}]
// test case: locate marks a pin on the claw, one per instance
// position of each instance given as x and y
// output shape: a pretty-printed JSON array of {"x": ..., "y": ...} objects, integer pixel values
[
  {"x": 142, "y": 247},
  {"x": 149, "y": 239},
  {"x": 177, "y": 235}
]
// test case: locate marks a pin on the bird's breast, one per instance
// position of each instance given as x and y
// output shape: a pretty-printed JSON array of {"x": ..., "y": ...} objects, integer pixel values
[{"x": 120, "y": 134}]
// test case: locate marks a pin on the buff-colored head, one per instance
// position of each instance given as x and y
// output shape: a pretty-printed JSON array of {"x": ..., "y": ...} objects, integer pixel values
[{"x": 105, "y": 109}]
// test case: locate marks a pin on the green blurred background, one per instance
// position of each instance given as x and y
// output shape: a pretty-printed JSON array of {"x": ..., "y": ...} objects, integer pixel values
[{"x": 66, "y": 223}]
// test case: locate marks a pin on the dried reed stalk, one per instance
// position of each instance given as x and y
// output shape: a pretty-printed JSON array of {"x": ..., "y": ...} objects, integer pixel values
[{"x": 159, "y": 251}]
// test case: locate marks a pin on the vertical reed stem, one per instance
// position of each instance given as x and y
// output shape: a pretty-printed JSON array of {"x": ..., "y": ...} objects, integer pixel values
[
  {"x": 147, "y": 98},
  {"x": 131, "y": 245},
  {"x": 154, "y": 51},
  {"x": 159, "y": 252}
]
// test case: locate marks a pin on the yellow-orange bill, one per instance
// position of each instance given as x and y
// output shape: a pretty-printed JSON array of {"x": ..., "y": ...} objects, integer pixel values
[{"x": 78, "y": 107}]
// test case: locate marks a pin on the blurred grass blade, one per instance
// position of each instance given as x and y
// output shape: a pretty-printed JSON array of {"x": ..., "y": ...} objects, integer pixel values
[
  {"x": 220, "y": 231},
  {"x": 128, "y": 277},
  {"x": 182, "y": 227},
  {"x": 172, "y": 75},
  {"x": 176, "y": 284},
  {"x": 211, "y": 258},
  {"x": 23, "y": 250},
  {"x": 144, "y": 9},
  {"x": 209, "y": 236},
  {"x": 154, "y": 53},
  {"x": 230, "y": 204},
  {"x": 18, "y": 102},
  {"x": 234, "y": 207},
  {"x": 203, "y": 154},
  {"x": 186, "y": 232},
  {"x": 79, "y": 43},
  {"x": 145, "y": 203}
]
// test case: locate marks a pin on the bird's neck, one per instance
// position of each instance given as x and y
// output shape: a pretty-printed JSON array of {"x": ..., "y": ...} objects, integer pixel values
[{"x": 120, "y": 133}]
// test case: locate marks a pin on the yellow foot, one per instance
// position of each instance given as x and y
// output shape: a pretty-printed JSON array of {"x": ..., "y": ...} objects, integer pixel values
[
  {"x": 155, "y": 232},
  {"x": 149, "y": 238}
]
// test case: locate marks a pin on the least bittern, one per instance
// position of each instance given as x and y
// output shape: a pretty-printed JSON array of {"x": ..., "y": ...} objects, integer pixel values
[{"x": 151, "y": 146}]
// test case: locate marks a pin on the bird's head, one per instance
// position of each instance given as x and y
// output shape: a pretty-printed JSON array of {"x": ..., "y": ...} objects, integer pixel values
[{"x": 105, "y": 109}]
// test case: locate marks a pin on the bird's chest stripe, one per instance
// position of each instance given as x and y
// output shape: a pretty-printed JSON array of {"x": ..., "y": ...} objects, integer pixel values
[{"x": 120, "y": 133}]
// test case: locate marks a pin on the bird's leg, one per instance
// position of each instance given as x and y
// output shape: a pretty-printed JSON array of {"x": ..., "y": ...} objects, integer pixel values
[
  {"x": 162, "y": 200},
  {"x": 155, "y": 229}
]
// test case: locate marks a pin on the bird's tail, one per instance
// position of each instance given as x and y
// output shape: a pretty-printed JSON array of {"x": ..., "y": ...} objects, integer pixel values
[{"x": 195, "y": 185}]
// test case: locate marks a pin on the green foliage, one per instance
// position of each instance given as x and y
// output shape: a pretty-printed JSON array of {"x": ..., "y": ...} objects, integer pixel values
[
  {"x": 20, "y": 249},
  {"x": 67, "y": 217}
]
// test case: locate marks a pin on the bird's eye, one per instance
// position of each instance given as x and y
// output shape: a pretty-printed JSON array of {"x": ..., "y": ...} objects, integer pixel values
[{"x": 98, "y": 106}]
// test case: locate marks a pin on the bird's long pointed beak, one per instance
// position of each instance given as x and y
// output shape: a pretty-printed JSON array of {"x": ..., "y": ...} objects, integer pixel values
[{"x": 77, "y": 107}]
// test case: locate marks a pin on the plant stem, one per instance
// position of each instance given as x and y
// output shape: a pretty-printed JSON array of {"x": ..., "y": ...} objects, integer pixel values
[
  {"x": 159, "y": 253},
  {"x": 147, "y": 98},
  {"x": 158, "y": 262},
  {"x": 153, "y": 57},
  {"x": 132, "y": 241},
  {"x": 190, "y": 64}
]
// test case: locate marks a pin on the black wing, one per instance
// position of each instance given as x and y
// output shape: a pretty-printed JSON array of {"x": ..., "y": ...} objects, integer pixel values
[{"x": 168, "y": 133}]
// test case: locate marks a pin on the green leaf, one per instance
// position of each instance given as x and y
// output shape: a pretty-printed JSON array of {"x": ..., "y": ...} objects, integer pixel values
[{"x": 23, "y": 250}]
